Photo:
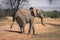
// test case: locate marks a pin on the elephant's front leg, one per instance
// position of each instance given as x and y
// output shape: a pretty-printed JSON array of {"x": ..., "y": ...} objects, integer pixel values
[{"x": 31, "y": 27}]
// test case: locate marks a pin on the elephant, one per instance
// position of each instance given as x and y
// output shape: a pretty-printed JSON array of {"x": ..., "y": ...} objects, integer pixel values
[{"x": 24, "y": 16}]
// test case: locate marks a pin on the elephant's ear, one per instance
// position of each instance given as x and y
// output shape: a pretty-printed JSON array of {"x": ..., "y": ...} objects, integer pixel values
[{"x": 35, "y": 13}]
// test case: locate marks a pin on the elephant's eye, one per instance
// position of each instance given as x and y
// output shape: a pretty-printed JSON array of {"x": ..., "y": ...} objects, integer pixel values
[{"x": 37, "y": 13}]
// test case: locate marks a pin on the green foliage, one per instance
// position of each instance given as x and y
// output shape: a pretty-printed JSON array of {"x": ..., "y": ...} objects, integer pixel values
[
  {"x": 43, "y": 12},
  {"x": 52, "y": 14},
  {"x": 5, "y": 12}
]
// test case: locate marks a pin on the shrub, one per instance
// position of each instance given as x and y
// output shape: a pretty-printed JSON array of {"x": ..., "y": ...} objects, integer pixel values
[{"x": 52, "y": 14}]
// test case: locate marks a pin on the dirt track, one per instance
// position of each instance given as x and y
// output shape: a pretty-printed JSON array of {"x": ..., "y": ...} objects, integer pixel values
[{"x": 50, "y": 32}]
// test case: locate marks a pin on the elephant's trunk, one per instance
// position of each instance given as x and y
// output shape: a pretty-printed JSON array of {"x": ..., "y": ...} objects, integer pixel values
[{"x": 42, "y": 21}]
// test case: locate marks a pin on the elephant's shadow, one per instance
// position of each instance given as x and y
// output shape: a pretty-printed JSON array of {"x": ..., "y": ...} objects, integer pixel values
[
  {"x": 56, "y": 25},
  {"x": 12, "y": 31},
  {"x": 18, "y": 32}
]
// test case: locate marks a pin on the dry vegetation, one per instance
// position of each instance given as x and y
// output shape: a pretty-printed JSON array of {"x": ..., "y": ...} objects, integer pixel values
[{"x": 50, "y": 32}]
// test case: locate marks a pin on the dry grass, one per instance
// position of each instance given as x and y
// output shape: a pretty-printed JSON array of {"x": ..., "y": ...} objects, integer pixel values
[{"x": 50, "y": 32}]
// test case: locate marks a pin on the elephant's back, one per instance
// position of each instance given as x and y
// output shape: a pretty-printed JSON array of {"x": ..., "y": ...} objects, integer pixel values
[{"x": 24, "y": 14}]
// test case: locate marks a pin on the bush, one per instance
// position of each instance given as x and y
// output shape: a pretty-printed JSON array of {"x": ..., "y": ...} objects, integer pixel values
[{"x": 52, "y": 14}]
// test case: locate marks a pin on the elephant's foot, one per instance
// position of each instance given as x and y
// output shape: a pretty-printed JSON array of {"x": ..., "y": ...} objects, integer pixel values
[
  {"x": 22, "y": 32},
  {"x": 28, "y": 32}
]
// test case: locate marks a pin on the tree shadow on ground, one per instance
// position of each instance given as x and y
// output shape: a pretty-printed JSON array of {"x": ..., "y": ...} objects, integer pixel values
[{"x": 56, "y": 25}]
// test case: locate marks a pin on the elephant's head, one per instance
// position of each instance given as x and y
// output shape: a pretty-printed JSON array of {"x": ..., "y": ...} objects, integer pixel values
[{"x": 37, "y": 13}]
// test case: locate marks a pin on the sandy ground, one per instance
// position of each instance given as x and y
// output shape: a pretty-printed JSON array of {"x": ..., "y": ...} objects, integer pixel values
[{"x": 50, "y": 32}]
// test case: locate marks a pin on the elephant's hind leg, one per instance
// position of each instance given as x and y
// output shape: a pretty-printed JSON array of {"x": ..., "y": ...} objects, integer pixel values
[
  {"x": 21, "y": 23},
  {"x": 22, "y": 28}
]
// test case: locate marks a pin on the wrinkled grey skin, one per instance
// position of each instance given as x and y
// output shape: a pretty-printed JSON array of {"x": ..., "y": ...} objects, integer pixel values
[{"x": 23, "y": 17}]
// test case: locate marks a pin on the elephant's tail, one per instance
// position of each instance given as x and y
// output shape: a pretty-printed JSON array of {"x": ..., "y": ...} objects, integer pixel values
[
  {"x": 12, "y": 22},
  {"x": 11, "y": 25}
]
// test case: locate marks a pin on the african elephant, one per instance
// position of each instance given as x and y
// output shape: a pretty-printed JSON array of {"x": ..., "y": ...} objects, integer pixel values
[{"x": 23, "y": 17}]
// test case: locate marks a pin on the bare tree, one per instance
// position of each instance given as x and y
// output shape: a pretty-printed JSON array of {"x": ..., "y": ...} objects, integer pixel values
[
  {"x": 50, "y": 1},
  {"x": 14, "y": 5}
]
